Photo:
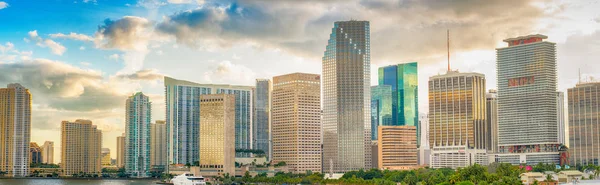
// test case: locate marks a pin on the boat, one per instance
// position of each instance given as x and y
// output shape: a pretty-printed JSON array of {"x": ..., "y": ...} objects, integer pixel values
[{"x": 188, "y": 179}]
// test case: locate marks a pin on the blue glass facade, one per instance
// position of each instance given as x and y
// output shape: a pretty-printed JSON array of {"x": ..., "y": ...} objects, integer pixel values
[
  {"x": 381, "y": 108},
  {"x": 261, "y": 128},
  {"x": 137, "y": 130}
]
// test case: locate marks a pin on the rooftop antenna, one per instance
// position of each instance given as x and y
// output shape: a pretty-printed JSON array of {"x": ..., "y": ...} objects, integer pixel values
[
  {"x": 579, "y": 80},
  {"x": 448, "y": 42}
]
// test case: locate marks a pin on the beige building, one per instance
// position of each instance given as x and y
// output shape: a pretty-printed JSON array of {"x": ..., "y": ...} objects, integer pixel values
[
  {"x": 105, "y": 157},
  {"x": 35, "y": 153},
  {"x": 217, "y": 134},
  {"x": 121, "y": 151},
  {"x": 15, "y": 130},
  {"x": 296, "y": 121},
  {"x": 81, "y": 143},
  {"x": 48, "y": 152},
  {"x": 158, "y": 144},
  {"x": 397, "y": 147}
]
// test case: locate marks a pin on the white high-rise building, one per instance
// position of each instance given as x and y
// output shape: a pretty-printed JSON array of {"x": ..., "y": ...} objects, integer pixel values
[
  {"x": 527, "y": 101},
  {"x": 138, "y": 111},
  {"x": 347, "y": 98},
  {"x": 560, "y": 99},
  {"x": 48, "y": 152},
  {"x": 15, "y": 130}
]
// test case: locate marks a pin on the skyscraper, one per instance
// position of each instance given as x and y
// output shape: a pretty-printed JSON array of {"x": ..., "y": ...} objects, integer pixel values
[
  {"x": 35, "y": 153},
  {"x": 381, "y": 108},
  {"x": 397, "y": 147},
  {"x": 584, "y": 124},
  {"x": 48, "y": 152},
  {"x": 158, "y": 145},
  {"x": 183, "y": 115},
  {"x": 404, "y": 81},
  {"x": 138, "y": 114},
  {"x": 105, "y": 157},
  {"x": 457, "y": 119},
  {"x": 121, "y": 151},
  {"x": 347, "y": 98},
  {"x": 81, "y": 144},
  {"x": 15, "y": 130},
  {"x": 560, "y": 99},
  {"x": 261, "y": 125},
  {"x": 296, "y": 121},
  {"x": 492, "y": 121},
  {"x": 217, "y": 127},
  {"x": 527, "y": 106}
]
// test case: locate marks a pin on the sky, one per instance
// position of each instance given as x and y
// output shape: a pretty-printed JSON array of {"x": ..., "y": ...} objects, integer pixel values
[{"x": 81, "y": 59}]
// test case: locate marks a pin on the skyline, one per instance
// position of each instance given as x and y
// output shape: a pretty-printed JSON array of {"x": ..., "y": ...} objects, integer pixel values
[{"x": 68, "y": 83}]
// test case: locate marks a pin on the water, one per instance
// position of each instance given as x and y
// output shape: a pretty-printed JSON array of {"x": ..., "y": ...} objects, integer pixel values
[{"x": 73, "y": 182}]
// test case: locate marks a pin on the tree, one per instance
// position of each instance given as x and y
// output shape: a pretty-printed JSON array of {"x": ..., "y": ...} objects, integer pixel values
[
  {"x": 410, "y": 179},
  {"x": 549, "y": 178},
  {"x": 465, "y": 183}
]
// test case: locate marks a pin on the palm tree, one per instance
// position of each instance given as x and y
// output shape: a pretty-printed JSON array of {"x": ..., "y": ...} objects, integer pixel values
[
  {"x": 596, "y": 171},
  {"x": 549, "y": 178}
]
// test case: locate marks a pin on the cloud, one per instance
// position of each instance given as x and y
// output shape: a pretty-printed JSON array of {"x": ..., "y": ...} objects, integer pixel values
[
  {"x": 55, "y": 47},
  {"x": 114, "y": 57},
  {"x": 81, "y": 48},
  {"x": 3, "y": 5},
  {"x": 146, "y": 74},
  {"x": 186, "y": 1},
  {"x": 597, "y": 19},
  {"x": 8, "y": 53},
  {"x": 74, "y": 36},
  {"x": 227, "y": 72},
  {"x": 127, "y": 33}
]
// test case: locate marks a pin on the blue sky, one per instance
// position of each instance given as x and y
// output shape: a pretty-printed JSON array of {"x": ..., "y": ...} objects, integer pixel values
[{"x": 82, "y": 59}]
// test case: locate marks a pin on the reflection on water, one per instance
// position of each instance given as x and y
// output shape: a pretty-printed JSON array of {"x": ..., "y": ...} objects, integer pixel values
[{"x": 73, "y": 182}]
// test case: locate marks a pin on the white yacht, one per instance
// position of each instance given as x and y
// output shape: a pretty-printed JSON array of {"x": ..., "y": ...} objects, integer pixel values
[{"x": 188, "y": 179}]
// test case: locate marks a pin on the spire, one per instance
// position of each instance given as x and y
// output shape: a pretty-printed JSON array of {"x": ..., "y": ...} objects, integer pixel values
[{"x": 448, "y": 42}]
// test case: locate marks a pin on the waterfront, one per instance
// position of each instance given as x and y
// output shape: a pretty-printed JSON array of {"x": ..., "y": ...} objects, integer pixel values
[{"x": 73, "y": 182}]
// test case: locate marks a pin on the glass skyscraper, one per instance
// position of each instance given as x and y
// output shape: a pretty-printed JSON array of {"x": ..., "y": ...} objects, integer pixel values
[
  {"x": 183, "y": 117},
  {"x": 403, "y": 79},
  {"x": 347, "y": 98},
  {"x": 261, "y": 110},
  {"x": 138, "y": 111},
  {"x": 381, "y": 108}
]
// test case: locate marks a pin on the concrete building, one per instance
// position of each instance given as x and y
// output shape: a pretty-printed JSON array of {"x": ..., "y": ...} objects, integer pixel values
[
  {"x": 491, "y": 99},
  {"x": 182, "y": 117},
  {"x": 584, "y": 124},
  {"x": 138, "y": 115},
  {"x": 347, "y": 98},
  {"x": 121, "y": 151},
  {"x": 261, "y": 124},
  {"x": 296, "y": 120},
  {"x": 35, "y": 153},
  {"x": 48, "y": 152},
  {"x": 527, "y": 106},
  {"x": 560, "y": 99},
  {"x": 381, "y": 108},
  {"x": 403, "y": 78},
  {"x": 105, "y": 157},
  {"x": 397, "y": 147},
  {"x": 217, "y": 131},
  {"x": 158, "y": 145},
  {"x": 424, "y": 149},
  {"x": 81, "y": 144},
  {"x": 457, "y": 119},
  {"x": 15, "y": 130}
]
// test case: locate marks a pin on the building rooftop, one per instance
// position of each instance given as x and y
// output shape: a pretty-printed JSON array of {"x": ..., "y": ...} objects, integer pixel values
[
  {"x": 173, "y": 81},
  {"x": 456, "y": 74},
  {"x": 526, "y": 37}
]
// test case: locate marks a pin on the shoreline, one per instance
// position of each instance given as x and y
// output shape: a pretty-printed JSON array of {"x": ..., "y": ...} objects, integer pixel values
[{"x": 75, "y": 178}]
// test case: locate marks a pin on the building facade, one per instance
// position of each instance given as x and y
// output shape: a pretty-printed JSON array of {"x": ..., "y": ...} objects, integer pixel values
[
  {"x": 381, "y": 108},
  {"x": 182, "y": 118},
  {"x": 81, "y": 144},
  {"x": 261, "y": 125},
  {"x": 138, "y": 115},
  {"x": 424, "y": 149},
  {"x": 527, "y": 103},
  {"x": 15, "y": 130},
  {"x": 584, "y": 124},
  {"x": 296, "y": 120},
  {"x": 158, "y": 145},
  {"x": 403, "y": 78},
  {"x": 347, "y": 98},
  {"x": 457, "y": 119},
  {"x": 35, "y": 153},
  {"x": 491, "y": 109},
  {"x": 397, "y": 147},
  {"x": 48, "y": 152},
  {"x": 121, "y": 151},
  {"x": 562, "y": 129},
  {"x": 105, "y": 157},
  {"x": 217, "y": 131}
]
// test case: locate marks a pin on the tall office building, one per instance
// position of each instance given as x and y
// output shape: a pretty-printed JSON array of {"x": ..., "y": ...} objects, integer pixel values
[
  {"x": 121, "y": 151},
  {"x": 347, "y": 98},
  {"x": 296, "y": 121},
  {"x": 105, "y": 157},
  {"x": 81, "y": 144},
  {"x": 584, "y": 124},
  {"x": 217, "y": 127},
  {"x": 381, "y": 108},
  {"x": 404, "y": 81},
  {"x": 138, "y": 111},
  {"x": 158, "y": 145},
  {"x": 527, "y": 106},
  {"x": 15, "y": 130},
  {"x": 261, "y": 125},
  {"x": 560, "y": 99},
  {"x": 48, "y": 152},
  {"x": 35, "y": 153},
  {"x": 397, "y": 147},
  {"x": 491, "y": 105},
  {"x": 457, "y": 119},
  {"x": 424, "y": 149},
  {"x": 183, "y": 107}
]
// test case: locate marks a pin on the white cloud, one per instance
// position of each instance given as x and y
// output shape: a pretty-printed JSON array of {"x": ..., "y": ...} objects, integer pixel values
[
  {"x": 114, "y": 57},
  {"x": 55, "y": 47},
  {"x": 7, "y": 47},
  {"x": 9, "y": 53},
  {"x": 3, "y": 5},
  {"x": 85, "y": 64},
  {"x": 227, "y": 72},
  {"x": 81, "y": 48},
  {"x": 74, "y": 36}
]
